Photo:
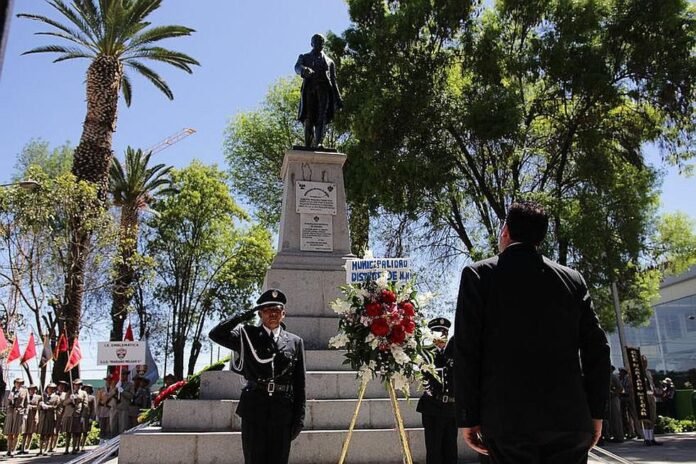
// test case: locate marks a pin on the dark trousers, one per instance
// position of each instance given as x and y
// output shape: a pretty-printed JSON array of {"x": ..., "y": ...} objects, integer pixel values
[
  {"x": 542, "y": 448},
  {"x": 265, "y": 443},
  {"x": 440, "y": 439}
]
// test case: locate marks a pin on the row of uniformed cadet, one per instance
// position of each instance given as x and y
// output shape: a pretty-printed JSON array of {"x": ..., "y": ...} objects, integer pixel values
[{"x": 59, "y": 410}]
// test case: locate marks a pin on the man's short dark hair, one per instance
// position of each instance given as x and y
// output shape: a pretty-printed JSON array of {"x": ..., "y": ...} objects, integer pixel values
[{"x": 527, "y": 222}]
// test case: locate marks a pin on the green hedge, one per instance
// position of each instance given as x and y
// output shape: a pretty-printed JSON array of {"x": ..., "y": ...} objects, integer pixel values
[{"x": 670, "y": 425}]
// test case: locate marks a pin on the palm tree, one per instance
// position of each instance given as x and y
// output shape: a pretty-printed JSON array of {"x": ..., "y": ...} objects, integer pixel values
[
  {"x": 115, "y": 36},
  {"x": 133, "y": 190}
]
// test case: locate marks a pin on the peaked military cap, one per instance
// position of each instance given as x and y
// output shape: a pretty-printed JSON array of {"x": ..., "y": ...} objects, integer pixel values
[
  {"x": 51, "y": 385},
  {"x": 32, "y": 386},
  {"x": 271, "y": 297},
  {"x": 439, "y": 323},
  {"x": 19, "y": 379}
]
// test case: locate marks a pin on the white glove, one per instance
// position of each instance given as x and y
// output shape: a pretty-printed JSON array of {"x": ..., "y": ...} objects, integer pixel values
[
  {"x": 10, "y": 397},
  {"x": 73, "y": 397},
  {"x": 43, "y": 406},
  {"x": 120, "y": 389}
]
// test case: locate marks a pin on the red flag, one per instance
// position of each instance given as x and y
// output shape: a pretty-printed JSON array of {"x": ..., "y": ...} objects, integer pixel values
[
  {"x": 30, "y": 350},
  {"x": 3, "y": 341},
  {"x": 61, "y": 346},
  {"x": 128, "y": 337},
  {"x": 75, "y": 356},
  {"x": 14, "y": 352}
]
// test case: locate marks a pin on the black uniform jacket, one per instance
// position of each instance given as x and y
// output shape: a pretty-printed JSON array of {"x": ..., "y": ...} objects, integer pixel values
[
  {"x": 286, "y": 369},
  {"x": 530, "y": 354},
  {"x": 438, "y": 399}
]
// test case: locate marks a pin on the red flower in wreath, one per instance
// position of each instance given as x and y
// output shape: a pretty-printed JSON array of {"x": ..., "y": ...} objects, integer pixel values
[
  {"x": 167, "y": 392},
  {"x": 408, "y": 309},
  {"x": 397, "y": 335},
  {"x": 379, "y": 327},
  {"x": 373, "y": 309},
  {"x": 408, "y": 325},
  {"x": 388, "y": 296}
]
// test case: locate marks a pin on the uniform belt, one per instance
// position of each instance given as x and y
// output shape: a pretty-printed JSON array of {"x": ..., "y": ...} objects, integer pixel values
[
  {"x": 270, "y": 387},
  {"x": 444, "y": 398}
]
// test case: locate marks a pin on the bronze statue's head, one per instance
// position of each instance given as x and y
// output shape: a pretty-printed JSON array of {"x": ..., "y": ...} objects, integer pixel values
[{"x": 318, "y": 42}]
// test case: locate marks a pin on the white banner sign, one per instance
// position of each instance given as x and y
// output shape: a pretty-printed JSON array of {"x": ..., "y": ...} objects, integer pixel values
[
  {"x": 119, "y": 353},
  {"x": 362, "y": 270},
  {"x": 315, "y": 197}
]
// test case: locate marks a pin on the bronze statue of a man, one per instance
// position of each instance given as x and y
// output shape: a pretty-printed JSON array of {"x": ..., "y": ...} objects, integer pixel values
[{"x": 320, "y": 94}]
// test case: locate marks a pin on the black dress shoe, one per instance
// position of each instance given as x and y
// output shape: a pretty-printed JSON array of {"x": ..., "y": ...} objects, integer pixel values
[{"x": 656, "y": 443}]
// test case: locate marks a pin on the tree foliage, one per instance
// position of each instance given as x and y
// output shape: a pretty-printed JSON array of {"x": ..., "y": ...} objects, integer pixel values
[
  {"x": 464, "y": 110},
  {"x": 209, "y": 261}
]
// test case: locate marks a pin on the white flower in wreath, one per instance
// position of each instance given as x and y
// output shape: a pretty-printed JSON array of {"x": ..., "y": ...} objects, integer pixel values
[
  {"x": 424, "y": 299},
  {"x": 411, "y": 342},
  {"x": 341, "y": 306},
  {"x": 383, "y": 281},
  {"x": 401, "y": 382},
  {"x": 364, "y": 320},
  {"x": 369, "y": 254},
  {"x": 339, "y": 341},
  {"x": 400, "y": 355},
  {"x": 365, "y": 373},
  {"x": 427, "y": 336}
]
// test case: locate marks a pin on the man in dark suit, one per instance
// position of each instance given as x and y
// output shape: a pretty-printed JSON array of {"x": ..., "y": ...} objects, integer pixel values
[
  {"x": 437, "y": 403},
  {"x": 320, "y": 94},
  {"x": 272, "y": 404},
  {"x": 533, "y": 369}
]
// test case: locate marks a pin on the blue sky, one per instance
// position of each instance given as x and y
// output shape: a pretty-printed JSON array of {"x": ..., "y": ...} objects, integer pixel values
[{"x": 243, "y": 46}]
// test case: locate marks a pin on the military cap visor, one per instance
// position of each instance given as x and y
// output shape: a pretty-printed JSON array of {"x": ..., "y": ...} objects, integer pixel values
[
  {"x": 440, "y": 323},
  {"x": 271, "y": 297}
]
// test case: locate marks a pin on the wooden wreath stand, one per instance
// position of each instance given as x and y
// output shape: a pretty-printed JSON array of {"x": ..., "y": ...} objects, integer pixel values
[{"x": 405, "y": 448}]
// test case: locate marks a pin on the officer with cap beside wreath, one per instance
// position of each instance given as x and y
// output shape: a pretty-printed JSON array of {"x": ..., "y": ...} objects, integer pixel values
[
  {"x": 272, "y": 404},
  {"x": 437, "y": 403}
]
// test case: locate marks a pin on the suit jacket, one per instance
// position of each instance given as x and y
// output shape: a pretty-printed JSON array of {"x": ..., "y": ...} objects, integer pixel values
[
  {"x": 287, "y": 368},
  {"x": 328, "y": 68},
  {"x": 431, "y": 402},
  {"x": 530, "y": 354}
]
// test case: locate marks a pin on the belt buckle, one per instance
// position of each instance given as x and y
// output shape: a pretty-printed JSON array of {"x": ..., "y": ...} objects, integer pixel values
[
  {"x": 445, "y": 398},
  {"x": 270, "y": 388}
]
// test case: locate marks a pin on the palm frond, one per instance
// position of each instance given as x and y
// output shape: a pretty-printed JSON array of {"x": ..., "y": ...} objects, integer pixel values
[
  {"x": 89, "y": 11},
  {"x": 126, "y": 89},
  {"x": 53, "y": 49},
  {"x": 136, "y": 14},
  {"x": 74, "y": 17},
  {"x": 153, "y": 77},
  {"x": 74, "y": 35},
  {"x": 72, "y": 56},
  {"x": 159, "y": 33},
  {"x": 77, "y": 40}
]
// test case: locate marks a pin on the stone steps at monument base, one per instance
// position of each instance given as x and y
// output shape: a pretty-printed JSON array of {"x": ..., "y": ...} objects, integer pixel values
[
  {"x": 311, "y": 447},
  {"x": 320, "y": 385},
  {"x": 220, "y": 416},
  {"x": 314, "y": 330}
]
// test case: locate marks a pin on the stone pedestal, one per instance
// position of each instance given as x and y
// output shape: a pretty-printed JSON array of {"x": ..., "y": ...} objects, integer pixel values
[
  {"x": 207, "y": 431},
  {"x": 310, "y": 279}
]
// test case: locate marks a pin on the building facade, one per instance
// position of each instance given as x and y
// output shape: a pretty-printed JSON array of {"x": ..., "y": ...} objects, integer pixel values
[{"x": 669, "y": 340}]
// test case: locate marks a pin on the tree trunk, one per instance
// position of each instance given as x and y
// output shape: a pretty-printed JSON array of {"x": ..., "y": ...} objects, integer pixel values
[
  {"x": 178, "y": 345},
  {"x": 359, "y": 224},
  {"x": 91, "y": 161},
  {"x": 193, "y": 356},
  {"x": 122, "y": 292}
]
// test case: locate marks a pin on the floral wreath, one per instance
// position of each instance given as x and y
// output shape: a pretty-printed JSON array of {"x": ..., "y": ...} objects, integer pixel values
[{"x": 383, "y": 331}]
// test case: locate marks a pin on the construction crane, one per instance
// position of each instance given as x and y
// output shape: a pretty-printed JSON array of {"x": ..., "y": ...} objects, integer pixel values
[{"x": 171, "y": 140}]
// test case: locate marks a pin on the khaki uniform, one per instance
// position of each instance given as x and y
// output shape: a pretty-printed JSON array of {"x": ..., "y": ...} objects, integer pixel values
[
  {"x": 47, "y": 414},
  {"x": 32, "y": 421},
  {"x": 16, "y": 407},
  {"x": 72, "y": 415},
  {"x": 120, "y": 402}
]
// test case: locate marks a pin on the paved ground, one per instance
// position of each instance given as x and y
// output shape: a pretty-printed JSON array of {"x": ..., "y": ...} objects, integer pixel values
[{"x": 678, "y": 448}]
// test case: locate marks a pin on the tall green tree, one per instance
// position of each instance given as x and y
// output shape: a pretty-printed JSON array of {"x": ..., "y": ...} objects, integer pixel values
[
  {"x": 209, "y": 260},
  {"x": 458, "y": 111},
  {"x": 115, "y": 36},
  {"x": 134, "y": 186}
]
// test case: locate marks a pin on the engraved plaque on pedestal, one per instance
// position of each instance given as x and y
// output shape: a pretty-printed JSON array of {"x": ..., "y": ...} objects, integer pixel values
[
  {"x": 316, "y": 232},
  {"x": 315, "y": 197}
]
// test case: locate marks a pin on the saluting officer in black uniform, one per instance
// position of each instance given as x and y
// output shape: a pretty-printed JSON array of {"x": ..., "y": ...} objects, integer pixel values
[
  {"x": 272, "y": 404},
  {"x": 437, "y": 403}
]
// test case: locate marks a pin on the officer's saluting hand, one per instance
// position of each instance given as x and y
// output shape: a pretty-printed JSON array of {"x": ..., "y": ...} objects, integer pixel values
[{"x": 271, "y": 360}]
